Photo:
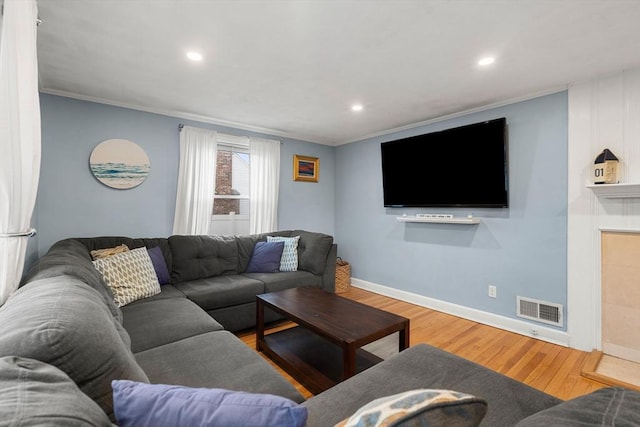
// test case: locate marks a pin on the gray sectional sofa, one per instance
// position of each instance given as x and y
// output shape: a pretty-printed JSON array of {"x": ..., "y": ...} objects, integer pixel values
[
  {"x": 63, "y": 340},
  {"x": 210, "y": 270}
]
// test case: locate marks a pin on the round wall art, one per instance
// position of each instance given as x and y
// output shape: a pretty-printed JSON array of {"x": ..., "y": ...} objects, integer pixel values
[{"x": 119, "y": 163}]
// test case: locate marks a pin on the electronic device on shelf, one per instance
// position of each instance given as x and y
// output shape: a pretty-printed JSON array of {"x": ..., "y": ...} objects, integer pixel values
[{"x": 437, "y": 216}]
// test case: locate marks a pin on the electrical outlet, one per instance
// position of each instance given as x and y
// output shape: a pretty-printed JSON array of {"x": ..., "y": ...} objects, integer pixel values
[{"x": 493, "y": 292}]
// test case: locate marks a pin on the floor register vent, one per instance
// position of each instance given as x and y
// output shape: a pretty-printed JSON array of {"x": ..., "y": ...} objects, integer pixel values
[{"x": 540, "y": 311}]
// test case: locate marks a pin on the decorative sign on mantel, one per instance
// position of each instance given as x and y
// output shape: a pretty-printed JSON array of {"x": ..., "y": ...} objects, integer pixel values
[
  {"x": 605, "y": 168},
  {"x": 119, "y": 163}
]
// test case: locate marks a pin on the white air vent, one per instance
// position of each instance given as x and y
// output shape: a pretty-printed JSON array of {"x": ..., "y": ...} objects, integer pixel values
[{"x": 540, "y": 311}]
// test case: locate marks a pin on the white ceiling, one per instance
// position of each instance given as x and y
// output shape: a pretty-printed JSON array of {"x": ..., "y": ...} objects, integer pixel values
[{"x": 293, "y": 68}]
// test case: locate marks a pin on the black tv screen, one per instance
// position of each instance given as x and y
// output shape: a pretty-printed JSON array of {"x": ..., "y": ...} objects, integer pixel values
[{"x": 466, "y": 166}]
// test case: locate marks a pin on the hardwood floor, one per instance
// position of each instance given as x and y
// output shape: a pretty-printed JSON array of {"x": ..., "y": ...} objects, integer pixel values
[{"x": 548, "y": 367}]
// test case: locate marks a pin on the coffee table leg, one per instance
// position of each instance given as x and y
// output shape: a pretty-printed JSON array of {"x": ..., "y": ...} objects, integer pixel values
[
  {"x": 404, "y": 337},
  {"x": 259, "y": 323},
  {"x": 348, "y": 361}
]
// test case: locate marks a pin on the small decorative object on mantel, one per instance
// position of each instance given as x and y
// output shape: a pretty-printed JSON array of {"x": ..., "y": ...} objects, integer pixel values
[
  {"x": 605, "y": 169},
  {"x": 119, "y": 163},
  {"x": 306, "y": 168}
]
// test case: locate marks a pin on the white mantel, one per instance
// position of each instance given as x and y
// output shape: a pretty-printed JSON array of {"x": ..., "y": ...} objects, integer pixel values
[{"x": 627, "y": 190}]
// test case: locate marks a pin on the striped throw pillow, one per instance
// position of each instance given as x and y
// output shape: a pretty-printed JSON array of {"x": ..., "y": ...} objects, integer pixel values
[{"x": 289, "y": 259}]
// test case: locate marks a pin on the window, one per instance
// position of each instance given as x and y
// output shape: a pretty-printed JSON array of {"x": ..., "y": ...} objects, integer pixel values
[{"x": 230, "y": 214}]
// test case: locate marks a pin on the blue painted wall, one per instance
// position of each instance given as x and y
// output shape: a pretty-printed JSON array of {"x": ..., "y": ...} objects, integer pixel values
[
  {"x": 522, "y": 250},
  {"x": 72, "y": 203}
]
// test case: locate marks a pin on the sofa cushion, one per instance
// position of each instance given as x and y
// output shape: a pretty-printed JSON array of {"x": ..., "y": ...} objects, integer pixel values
[
  {"x": 166, "y": 292},
  {"x": 313, "y": 249},
  {"x": 242, "y": 317},
  {"x": 158, "y": 322},
  {"x": 611, "y": 406},
  {"x": 245, "y": 244},
  {"x": 137, "y": 404},
  {"x": 159, "y": 265},
  {"x": 221, "y": 291},
  {"x": 265, "y": 257},
  {"x": 274, "y": 282},
  {"x": 236, "y": 366},
  {"x": 33, "y": 393},
  {"x": 200, "y": 257},
  {"x": 425, "y": 366},
  {"x": 289, "y": 259},
  {"x": 130, "y": 275},
  {"x": 420, "y": 407},
  {"x": 62, "y": 322}
]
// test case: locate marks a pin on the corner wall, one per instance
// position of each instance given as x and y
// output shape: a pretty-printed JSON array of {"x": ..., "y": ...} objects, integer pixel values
[
  {"x": 521, "y": 250},
  {"x": 72, "y": 203}
]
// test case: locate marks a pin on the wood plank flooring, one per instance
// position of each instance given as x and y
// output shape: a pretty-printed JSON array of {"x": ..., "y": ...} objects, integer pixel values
[{"x": 548, "y": 367}]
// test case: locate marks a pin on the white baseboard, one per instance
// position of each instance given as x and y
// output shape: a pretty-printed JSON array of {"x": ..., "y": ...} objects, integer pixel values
[{"x": 512, "y": 325}]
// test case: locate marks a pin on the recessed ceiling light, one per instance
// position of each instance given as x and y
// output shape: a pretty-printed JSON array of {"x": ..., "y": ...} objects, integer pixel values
[
  {"x": 357, "y": 107},
  {"x": 194, "y": 56},
  {"x": 487, "y": 60}
]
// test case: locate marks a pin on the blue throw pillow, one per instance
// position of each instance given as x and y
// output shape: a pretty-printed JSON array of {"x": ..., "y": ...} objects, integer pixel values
[
  {"x": 265, "y": 257},
  {"x": 159, "y": 265},
  {"x": 138, "y": 404}
]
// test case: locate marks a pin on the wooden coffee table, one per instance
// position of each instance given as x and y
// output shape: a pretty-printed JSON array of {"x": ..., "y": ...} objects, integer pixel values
[{"x": 324, "y": 348}]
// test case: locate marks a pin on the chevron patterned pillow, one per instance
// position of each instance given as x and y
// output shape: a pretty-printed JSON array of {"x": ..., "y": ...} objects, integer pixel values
[
  {"x": 422, "y": 407},
  {"x": 289, "y": 259},
  {"x": 130, "y": 275}
]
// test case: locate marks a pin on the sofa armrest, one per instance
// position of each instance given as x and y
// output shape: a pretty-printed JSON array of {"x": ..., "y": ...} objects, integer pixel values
[{"x": 329, "y": 275}]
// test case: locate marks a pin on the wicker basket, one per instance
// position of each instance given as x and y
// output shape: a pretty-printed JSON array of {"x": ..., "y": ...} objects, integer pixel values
[{"x": 343, "y": 275}]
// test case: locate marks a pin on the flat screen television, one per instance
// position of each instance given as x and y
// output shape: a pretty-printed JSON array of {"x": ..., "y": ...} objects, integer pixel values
[{"x": 466, "y": 166}]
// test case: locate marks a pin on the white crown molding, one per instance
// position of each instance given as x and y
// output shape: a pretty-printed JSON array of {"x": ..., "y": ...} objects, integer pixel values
[
  {"x": 459, "y": 114},
  {"x": 273, "y": 132},
  {"x": 182, "y": 115},
  {"x": 512, "y": 325}
]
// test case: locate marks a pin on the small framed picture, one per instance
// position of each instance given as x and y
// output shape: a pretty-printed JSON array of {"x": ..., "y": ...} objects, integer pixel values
[{"x": 305, "y": 168}]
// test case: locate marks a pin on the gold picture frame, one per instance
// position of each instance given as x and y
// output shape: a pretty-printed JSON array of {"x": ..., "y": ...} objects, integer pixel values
[{"x": 306, "y": 168}]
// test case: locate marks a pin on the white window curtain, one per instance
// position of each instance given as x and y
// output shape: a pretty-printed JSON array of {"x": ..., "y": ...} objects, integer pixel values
[
  {"x": 196, "y": 181},
  {"x": 19, "y": 137},
  {"x": 264, "y": 183}
]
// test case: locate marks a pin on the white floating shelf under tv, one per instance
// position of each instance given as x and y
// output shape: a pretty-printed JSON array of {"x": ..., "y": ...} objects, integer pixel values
[
  {"x": 460, "y": 220},
  {"x": 616, "y": 191}
]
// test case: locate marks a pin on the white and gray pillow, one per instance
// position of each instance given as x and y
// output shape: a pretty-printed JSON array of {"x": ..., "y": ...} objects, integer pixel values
[{"x": 130, "y": 275}]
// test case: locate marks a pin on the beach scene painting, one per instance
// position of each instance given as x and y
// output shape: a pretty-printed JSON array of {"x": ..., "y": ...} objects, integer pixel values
[{"x": 119, "y": 163}]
